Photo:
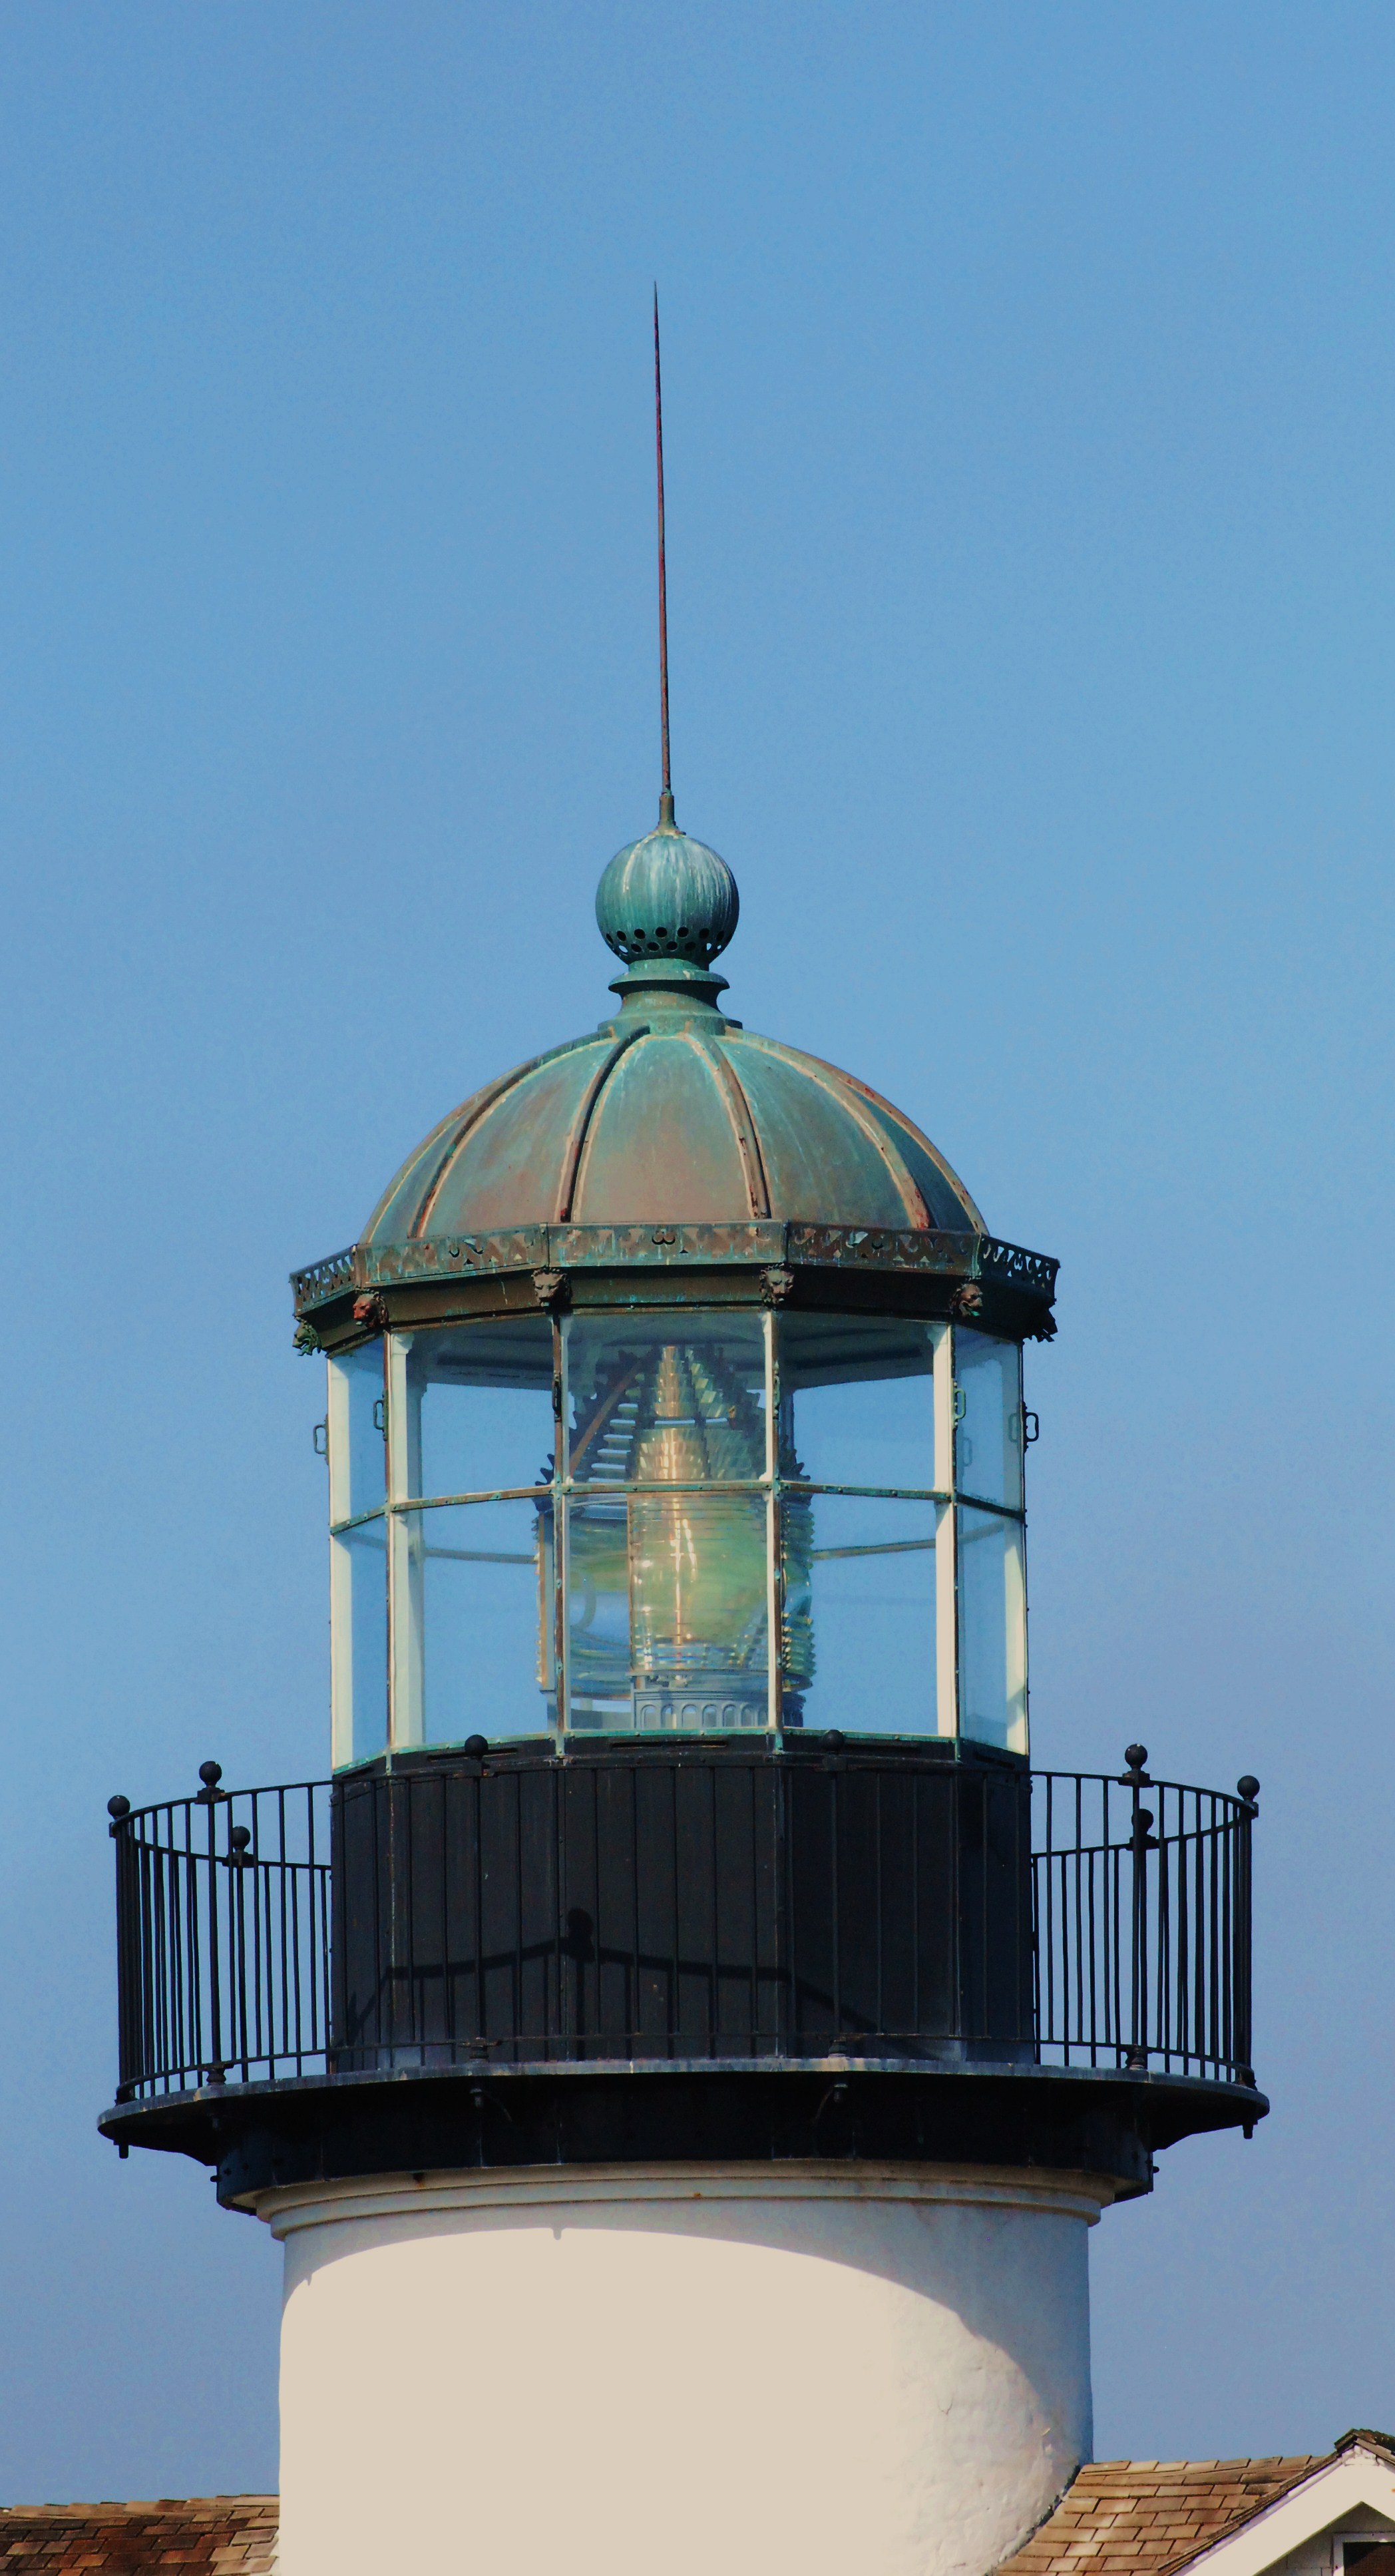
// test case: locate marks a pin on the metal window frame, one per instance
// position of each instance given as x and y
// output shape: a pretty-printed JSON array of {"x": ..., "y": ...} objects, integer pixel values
[
  {"x": 962, "y": 1498},
  {"x": 342, "y": 1575}
]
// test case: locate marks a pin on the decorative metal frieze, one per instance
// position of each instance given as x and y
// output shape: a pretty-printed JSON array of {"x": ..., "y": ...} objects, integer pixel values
[
  {"x": 880, "y": 1248},
  {"x": 324, "y": 1279},
  {"x": 448, "y": 1256},
  {"x": 623, "y": 1246},
  {"x": 1034, "y": 1271},
  {"x": 773, "y": 1247}
]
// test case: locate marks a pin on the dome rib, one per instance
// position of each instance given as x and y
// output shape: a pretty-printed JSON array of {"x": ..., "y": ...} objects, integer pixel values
[
  {"x": 838, "y": 1086},
  {"x": 581, "y": 1125},
  {"x": 882, "y": 1108},
  {"x": 744, "y": 1128},
  {"x": 449, "y": 1133}
]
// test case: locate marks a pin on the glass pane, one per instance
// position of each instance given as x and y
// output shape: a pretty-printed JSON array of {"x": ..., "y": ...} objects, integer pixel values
[
  {"x": 856, "y": 1401},
  {"x": 482, "y": 1588},
  {"x": 358, "y": 1457},
  {"x": 667, "y": 1398},
  {"x": 358, "y": 1595},
  {"x": 480, "y": 1407},
  {"x": 859, "y": 1615},
  {"x": 988, "y": 1438},
  {"x": 666, "y": 1625},
  {"x": 992, "y": 1631},
  {"x": 600, "y": 1689}
]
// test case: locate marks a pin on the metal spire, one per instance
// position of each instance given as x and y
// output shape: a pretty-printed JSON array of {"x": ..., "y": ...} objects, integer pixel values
[{"x": 666, "y": 822}]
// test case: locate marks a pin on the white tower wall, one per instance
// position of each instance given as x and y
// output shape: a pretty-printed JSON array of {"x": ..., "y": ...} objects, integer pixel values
[{"x": 815, "y": 2370}]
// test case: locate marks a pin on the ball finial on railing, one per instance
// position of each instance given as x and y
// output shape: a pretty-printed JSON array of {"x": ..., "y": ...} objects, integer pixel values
[
  {"x": 1136, "y": 1756},
  {"x": 210, "y": 1773},
  {"x": 118, "y": 1809},
  {"x": 1247, "y": 1787}
]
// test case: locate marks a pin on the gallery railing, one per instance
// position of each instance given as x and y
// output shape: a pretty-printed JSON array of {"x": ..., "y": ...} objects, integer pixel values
[
  {"x": 222, "y": 1937},
  {"x": 1134, "y": 1902},
  {"x": 1141, "y": 1922}
]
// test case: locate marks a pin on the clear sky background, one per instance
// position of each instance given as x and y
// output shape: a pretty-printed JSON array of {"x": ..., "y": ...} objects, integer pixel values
[{"x": 1030, "y": 385}]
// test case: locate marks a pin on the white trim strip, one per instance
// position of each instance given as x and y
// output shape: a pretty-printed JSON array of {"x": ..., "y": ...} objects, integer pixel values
[{"x": 296, "y": 2205}]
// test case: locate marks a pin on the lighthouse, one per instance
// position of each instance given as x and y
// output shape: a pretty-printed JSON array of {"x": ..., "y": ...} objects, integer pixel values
[{"x": 682, "y": 2046}]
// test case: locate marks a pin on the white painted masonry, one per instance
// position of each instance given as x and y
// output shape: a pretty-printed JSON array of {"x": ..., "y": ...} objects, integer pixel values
[{"x": 810, "y": 2370}]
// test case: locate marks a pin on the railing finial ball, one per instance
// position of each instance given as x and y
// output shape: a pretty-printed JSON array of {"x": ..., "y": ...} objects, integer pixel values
[
  {"x": 476, "y": 1746},
  {"x": 1136, "y": 1756},
  {"x": 1248, "y": 1787},
  {"x": 210, "y": 1773},
  {"x": 118, "y": 1809}
]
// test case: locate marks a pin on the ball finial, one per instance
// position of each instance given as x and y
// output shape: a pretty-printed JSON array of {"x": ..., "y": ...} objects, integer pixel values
[{"x": 667, "y": 898}]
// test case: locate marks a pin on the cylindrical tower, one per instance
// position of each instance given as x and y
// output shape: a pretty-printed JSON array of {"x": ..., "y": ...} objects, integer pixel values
[{"x": 683, "y": 2047}]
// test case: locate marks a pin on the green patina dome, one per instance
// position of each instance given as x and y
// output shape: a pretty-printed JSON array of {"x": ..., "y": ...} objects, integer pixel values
[{"x": 670, "y": 1113}]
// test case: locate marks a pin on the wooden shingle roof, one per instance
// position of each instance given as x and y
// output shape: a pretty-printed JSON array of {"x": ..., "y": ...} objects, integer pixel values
[
  {"x": 217, "y": 2535},
  {"x": 1148, "y": 2517}
]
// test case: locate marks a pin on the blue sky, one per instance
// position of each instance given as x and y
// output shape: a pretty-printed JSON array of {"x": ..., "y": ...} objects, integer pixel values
[{"x": 1030, "y": 387}]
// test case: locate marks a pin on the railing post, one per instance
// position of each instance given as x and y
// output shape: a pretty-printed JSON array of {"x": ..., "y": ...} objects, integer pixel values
[
  {"x": 128, "y": 2066},
  {"x": 1248, "y": 1788},
  {"x": 1135, "y": 1778},
  {"x": 209, "y": 1796}
]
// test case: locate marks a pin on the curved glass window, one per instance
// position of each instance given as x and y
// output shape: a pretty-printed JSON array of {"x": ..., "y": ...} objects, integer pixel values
[
  {"x": 677, "y": 1521},
  {"x": 667, "y": 1562},
  {"x": 860, "y": 1526}
]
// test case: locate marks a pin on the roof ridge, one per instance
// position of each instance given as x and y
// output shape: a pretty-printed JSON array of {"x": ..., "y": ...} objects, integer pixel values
[{"x": 95, "y": 2505}]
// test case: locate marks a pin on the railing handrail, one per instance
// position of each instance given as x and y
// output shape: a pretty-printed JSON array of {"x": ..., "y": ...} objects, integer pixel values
[
  {"x": 131, "y": 1815},
  {"x": 1123, "y": 1780}
]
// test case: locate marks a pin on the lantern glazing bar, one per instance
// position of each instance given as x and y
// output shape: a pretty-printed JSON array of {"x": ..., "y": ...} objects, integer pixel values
[{"x": 406, "y": 1605}]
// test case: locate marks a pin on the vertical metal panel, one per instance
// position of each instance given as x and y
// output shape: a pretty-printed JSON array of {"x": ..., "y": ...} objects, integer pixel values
[
  {"x": 617, "y": 1882},
  {"x": 857, "y": 1874},
  {"x": 696, "y": 1907},
  {"x": 736, "y": 1936},
  {"x": 652, "y": 1790}
]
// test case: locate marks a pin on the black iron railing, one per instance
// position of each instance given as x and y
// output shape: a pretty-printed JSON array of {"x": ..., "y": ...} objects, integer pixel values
[
  {"x": 1139, "y": 1899},
  {"x": 1141, "y": 1922},
  {"x": 222, "y": 1936}
]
